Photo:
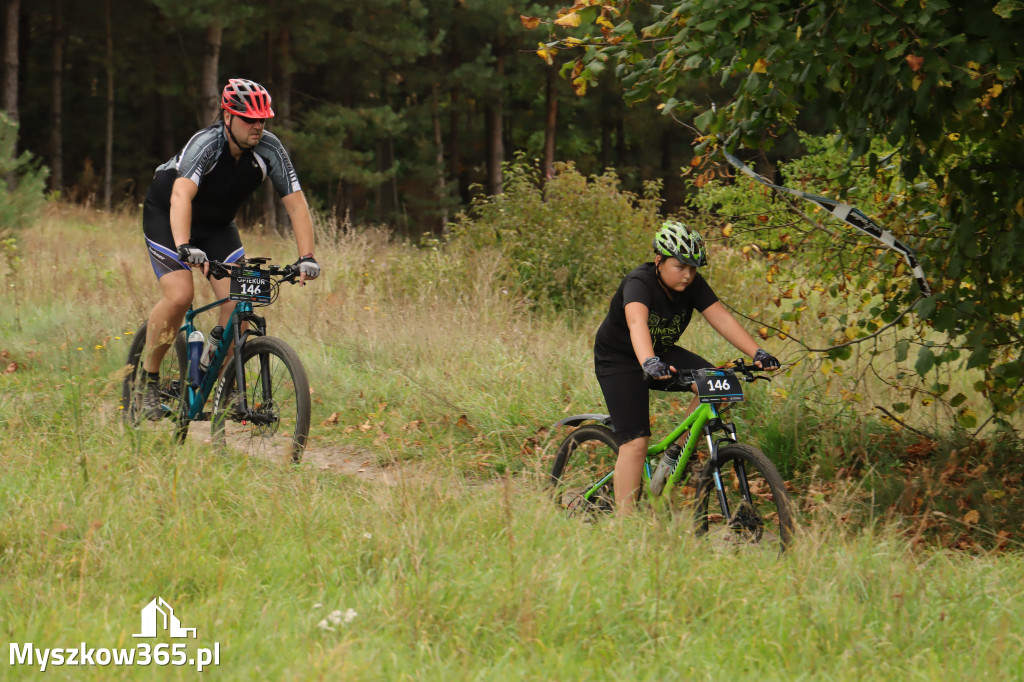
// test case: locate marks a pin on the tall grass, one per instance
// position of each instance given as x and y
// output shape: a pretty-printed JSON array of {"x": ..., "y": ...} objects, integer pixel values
[{"x": 450, "y": 563}]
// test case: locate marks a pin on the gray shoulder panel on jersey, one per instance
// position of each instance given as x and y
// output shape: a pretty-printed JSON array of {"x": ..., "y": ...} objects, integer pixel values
[
  {"x": 198, "y": 155},
  {"x": 279, "y": 165}
]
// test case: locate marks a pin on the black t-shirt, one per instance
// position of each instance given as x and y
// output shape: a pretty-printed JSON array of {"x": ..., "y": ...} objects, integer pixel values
[{"x": 669, "y": 317}]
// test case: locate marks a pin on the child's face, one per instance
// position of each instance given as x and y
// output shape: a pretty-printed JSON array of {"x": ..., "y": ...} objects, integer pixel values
[{"x": 674, "y": 274}]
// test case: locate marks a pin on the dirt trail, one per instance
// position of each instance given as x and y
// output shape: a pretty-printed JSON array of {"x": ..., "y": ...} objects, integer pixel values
[{"x": 340, "y": 459}]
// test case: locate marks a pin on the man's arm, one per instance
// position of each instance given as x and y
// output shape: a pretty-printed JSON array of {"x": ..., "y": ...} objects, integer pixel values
[
  {"x": 182, "y": 193},
  {"x": 302, "y": 224}
]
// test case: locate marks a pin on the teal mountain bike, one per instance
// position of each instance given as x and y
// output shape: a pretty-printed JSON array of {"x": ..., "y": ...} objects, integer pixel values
[
  {"x": 738, "y": 495},
  {"x": 261, "y": 404}
]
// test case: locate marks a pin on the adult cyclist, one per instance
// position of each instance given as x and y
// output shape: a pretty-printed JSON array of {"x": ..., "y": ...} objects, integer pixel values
[
  {"x": 189, "y": 213},
  {"x": 635, "y": 345}
]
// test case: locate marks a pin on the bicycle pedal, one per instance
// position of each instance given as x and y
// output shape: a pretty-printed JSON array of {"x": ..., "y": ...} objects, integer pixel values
[{"x": 202, "y": 417}]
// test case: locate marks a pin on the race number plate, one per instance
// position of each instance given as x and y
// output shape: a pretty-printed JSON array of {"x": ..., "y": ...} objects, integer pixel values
[
  {"x": 250, "y": 285},
  {"x": 717, "y": 386}
]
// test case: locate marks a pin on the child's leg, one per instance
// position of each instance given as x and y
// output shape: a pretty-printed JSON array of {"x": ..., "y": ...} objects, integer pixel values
[{"x": 628, "y": 472}]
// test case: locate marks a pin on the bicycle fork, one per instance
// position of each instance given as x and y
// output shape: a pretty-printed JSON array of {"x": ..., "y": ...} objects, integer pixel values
[
  {"x": 740, "y": 469},
  {"x": 246, "y": 413}
]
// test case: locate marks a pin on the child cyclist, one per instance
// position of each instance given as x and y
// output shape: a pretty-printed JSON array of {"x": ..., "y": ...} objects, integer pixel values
[{"x": 635, "y": 345}]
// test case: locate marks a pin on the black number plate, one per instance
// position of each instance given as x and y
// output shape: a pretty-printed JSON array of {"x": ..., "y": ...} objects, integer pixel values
[
  {"x": 717, "y": 386},
  {"x": 250, "y": 284}
]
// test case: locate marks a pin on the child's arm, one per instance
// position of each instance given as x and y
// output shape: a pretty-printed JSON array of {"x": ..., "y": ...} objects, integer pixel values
[
  {"x": 719, "y": 317},
  {"x": 640, "y": 337}
]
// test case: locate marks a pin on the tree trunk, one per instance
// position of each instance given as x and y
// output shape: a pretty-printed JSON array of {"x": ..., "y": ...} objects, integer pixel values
[
  {"x": 442, "y": 191},
  {"x": 550, "y": 122},
  {"x": 283, "y": 107},
  {"x": 56, "y": 100},
  {"x": 495, "y": 125},
  {"x": 11, "y": 60},
  {"x": 209, "y": 84},
  {"x": 455, "y": 148},
  {"x": 108, "y": 165}
]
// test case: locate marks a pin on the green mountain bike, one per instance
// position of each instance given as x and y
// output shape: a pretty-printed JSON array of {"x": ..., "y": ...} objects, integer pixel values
[
  {"x": 738, "y": 495},
  {"x": 261, "y": 405}
]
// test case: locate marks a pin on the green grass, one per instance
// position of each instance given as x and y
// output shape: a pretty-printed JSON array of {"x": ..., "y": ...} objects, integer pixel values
[{"x": 452, "y": 560}]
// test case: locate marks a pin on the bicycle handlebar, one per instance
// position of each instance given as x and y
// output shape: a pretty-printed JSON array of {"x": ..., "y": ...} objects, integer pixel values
[
  {"x": 744, "y": 371},
  {"x": 286, "y": 273}
]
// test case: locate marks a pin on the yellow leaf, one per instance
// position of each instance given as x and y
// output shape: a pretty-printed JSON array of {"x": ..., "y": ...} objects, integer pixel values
[
  {"x": 995, "y": 90},
  {"x": 953, "y": 136},
  {"x": 570, "y": 20},
  {"x": 1019, "y": 208},
  {"x": 972, "y": 517},
  {"x": 529, "y": 23},
  {"x": 546, "y": 53},
  {"x": 760, "y": 66},
  {"x": 727, "y": 230},
  {"x": 763, "y": 332},
  {"x": 918, "y": 79},
  {"x": 603, "y": 21},
  {"x": 579, "y": 86},
  {"x": 851, "y": 333},
  {"x": 799, "y": 32}
]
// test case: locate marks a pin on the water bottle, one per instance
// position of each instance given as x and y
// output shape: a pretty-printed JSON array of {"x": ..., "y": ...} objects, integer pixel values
[
  {"x": 665, "y": 468},
  {"x": 212, "y": 342},
  {"x": 195, "y": 353}
]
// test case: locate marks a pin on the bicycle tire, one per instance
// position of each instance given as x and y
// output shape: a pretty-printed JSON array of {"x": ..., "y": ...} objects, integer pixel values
[
  {"x": 287, "y": 413},
  {"x": 765, "y": 519},
  {"x": 584, "y": 458},
  {"x": 172, "y": 387}
]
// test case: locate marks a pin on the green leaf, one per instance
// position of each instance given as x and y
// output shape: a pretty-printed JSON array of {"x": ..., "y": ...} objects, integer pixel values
[
  {"x": 958, "y": 400},
  {"x": 1005, "y": 8},
  {"x": 902, "y": 346},
  {"x": 925, "y": 361},
  {"x": 703, "y": 122}
]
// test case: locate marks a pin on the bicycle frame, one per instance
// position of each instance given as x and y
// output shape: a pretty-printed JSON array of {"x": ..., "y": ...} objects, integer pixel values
[
  {"x": 702, "y": 421},
  {"x": 196, "y": 397}
]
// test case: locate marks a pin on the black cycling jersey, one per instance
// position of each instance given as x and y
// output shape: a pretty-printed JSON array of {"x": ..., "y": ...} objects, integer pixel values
[
  {"x": 669, "y": 317},
  {"x": 224, "y": 183}
]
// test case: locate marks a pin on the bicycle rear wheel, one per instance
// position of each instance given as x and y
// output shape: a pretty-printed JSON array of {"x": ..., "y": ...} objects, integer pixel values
[
  {"x": 277, "y": 395},
  {"x": 172, "y": 387},
  {"x": 584, "y": 458},
  {"x": 760, "y": 514}
]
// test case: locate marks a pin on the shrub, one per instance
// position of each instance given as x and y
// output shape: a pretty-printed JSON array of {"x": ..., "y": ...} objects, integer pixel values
[
  {"x": 564, "y": 240},
  {"x": 21, "y": 180}
]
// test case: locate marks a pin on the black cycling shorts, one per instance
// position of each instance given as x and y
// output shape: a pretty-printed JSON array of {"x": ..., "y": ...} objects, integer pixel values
[
  {"x": 626, "y": 393},
  {"x": 220, "y": 243}
]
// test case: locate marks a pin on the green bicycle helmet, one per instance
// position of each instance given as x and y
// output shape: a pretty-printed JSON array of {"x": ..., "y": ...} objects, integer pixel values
[{"x": 674, "y": 239}]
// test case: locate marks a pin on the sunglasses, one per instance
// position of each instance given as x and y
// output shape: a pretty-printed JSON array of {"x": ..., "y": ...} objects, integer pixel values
[{"x": 251, "y": 121}]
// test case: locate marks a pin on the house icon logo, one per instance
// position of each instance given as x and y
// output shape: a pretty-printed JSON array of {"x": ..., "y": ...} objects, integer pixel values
[{"x": 159, "y": 612}]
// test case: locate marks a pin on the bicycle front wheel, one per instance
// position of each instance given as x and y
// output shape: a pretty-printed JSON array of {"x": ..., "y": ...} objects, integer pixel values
[
  {"x": 585, "y": 459},
  {"x": 276, "y": 422},
  {"x": 751, "y": 508},
  {"x": 171, "y": 386}
]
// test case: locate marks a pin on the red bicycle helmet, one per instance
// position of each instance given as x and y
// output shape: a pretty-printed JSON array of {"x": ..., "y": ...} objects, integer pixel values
[{"x": 246, "y": 98}]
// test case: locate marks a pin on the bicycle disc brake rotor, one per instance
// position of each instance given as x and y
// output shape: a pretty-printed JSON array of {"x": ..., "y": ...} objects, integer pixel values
[
  {"x": 590, "y": 510},
  {"x": 264, "y": 418},
  {"x": 747, "y": 523}
]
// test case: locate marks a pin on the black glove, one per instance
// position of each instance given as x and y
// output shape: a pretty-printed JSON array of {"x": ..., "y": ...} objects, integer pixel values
[
  {"x": 767, "y": 360},
  {"x": 191, "y": 255},
  {"x": 654, "y": 368},
  {"x": 308, "y": 266}
]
